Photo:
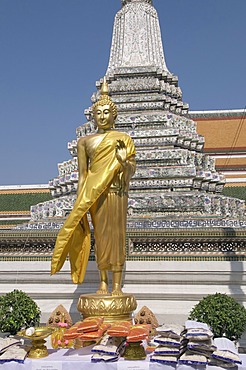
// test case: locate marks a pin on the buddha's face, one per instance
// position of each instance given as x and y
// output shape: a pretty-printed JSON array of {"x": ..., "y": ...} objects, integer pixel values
[{"x": 103, "y": 116}]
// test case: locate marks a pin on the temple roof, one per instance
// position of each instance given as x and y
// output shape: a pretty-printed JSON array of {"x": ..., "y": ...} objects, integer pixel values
[{"x": 16, "y": 200}]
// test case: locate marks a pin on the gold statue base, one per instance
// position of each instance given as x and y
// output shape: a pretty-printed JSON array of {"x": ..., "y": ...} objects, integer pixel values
[{"x": 111, "y": 308}]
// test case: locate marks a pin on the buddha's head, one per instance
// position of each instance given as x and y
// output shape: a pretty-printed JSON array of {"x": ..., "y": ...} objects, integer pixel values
[{"x": 104, "y": 110}]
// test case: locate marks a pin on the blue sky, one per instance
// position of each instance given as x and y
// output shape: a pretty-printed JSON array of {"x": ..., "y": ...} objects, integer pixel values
[{"x": 53, "y": 52}]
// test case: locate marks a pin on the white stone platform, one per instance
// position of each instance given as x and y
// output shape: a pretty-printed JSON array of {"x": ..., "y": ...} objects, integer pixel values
[{"x": 169, "y": 288}]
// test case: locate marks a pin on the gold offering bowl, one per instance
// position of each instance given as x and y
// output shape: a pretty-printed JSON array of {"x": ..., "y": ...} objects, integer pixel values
[
  {"x": 134, "y": 351},
  {"x": 38, "y": 349}
]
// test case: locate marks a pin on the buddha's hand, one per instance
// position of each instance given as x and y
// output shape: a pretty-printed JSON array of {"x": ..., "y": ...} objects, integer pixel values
[{"x": 121, "y": 152}]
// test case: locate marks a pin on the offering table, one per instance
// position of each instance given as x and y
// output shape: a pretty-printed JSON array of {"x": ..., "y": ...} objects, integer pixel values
[{"x": 70, "y": 359}]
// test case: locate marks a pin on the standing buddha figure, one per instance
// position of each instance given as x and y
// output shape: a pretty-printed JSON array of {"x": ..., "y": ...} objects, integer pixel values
[{"x": 106, "y": 163}]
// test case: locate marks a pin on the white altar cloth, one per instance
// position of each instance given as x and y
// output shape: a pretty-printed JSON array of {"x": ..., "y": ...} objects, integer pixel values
[{"x": 70, "y": 359}]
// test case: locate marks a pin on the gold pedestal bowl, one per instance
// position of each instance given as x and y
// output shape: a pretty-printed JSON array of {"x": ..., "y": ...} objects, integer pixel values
[
  {"x": 134, "y": 351},
  {"x": 38, "y": 348}
]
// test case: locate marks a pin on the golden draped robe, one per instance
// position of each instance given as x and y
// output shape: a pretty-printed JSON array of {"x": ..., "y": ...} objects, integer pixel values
[{"x": 104, "y": 194}]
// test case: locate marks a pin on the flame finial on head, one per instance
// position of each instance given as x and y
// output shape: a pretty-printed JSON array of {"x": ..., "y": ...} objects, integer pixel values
[
  {"x": 104, "y": 87},
  {"x": 105, "y": 99}
]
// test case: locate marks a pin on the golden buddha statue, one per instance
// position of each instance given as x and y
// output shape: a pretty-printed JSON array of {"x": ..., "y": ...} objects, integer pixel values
[{"x": 106, "y": 163}]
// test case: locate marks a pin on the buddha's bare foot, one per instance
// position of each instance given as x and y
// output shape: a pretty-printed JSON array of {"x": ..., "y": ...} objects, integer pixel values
[
  {"x": 117, "y": 291},
  {"x": 103, "y": 288}
]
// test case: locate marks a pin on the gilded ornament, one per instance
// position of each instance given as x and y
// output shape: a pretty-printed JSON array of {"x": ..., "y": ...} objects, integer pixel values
[{"x": 38, "y": 348}]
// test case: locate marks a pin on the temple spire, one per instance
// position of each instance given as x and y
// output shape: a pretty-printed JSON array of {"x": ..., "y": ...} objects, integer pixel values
[
  {"x": 124, "y": 2},
  {"x": 136, "y": 37}
]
